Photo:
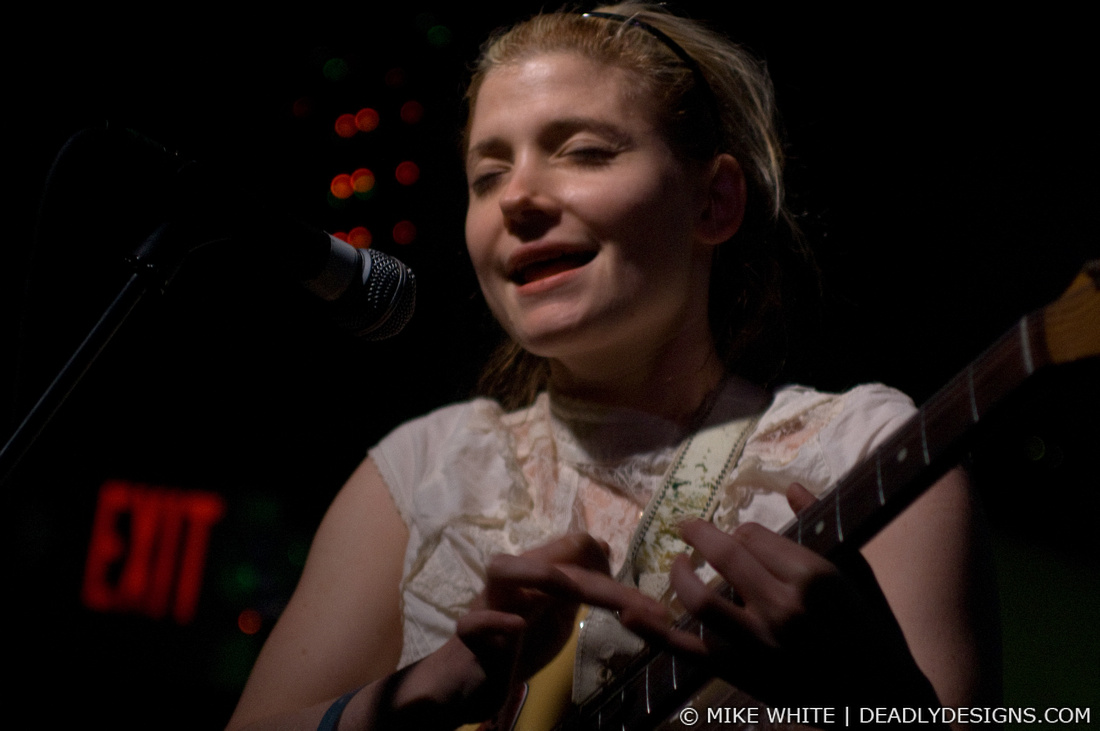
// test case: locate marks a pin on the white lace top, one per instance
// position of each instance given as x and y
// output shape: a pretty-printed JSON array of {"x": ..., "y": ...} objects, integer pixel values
[{"x": 470, "y": 480}]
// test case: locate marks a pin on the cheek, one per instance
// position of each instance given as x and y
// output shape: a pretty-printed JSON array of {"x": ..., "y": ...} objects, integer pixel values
[{"x": 477, "y": 243}]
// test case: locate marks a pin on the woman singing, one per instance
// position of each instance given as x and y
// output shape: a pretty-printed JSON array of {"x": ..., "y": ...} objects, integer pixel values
[{"x": 627, "y": 225}]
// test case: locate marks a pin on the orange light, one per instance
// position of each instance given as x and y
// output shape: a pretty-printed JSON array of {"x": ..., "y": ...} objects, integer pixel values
[
  {"x": 359, "y": 237},
  {"x": 341, "y": 186},
  {"x": 407, "y": 173},
  {"x": 250, "y": 621},
  {"x": 366, "y": 119},
  {"x": 362, "y": 181},
  {"x": 345, "y": 126},
  {"x": 340, "y": 235},
  {"x": 412, "y": 112},
  {"x": 404, "y": 232}
]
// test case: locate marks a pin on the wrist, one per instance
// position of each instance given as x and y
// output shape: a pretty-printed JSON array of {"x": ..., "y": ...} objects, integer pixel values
[{"x": 445, "y": 688}]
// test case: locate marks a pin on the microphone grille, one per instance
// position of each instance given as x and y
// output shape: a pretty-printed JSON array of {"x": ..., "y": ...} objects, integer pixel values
[{"x": 385, "y": 301}]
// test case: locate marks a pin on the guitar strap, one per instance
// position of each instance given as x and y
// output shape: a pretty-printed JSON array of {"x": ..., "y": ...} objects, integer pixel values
[{"x": 689, "y": 490}]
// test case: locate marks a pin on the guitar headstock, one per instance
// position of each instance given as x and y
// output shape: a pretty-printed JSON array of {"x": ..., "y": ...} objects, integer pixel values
[{"x": 1072, "y": 322}]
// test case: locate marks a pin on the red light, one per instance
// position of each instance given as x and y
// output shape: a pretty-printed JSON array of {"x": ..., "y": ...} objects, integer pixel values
[
  {"x": 359, "y": 237},
  {"x": 345, "y": 126},
  {"x": 340, "y": 235},
  {"x": 407, "y": 173},
  {"x": 395, "y": 78},
  {"x": 341, "y": 186},
  {"x": 366, "y": 119},
  {"x": 412, "y": 112},
  {"x": 404, "y": 232},
  {"x": 362, "y": 181},
  {"x": 250, "y": 621},
  {"x": 302, "y": 107}
]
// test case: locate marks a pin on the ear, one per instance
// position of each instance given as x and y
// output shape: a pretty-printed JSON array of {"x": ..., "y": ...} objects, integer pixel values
[{"x": 725, "y": 201}]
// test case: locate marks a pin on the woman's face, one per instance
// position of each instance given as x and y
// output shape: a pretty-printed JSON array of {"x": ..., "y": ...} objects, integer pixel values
[{"x": 582, "y": 220}]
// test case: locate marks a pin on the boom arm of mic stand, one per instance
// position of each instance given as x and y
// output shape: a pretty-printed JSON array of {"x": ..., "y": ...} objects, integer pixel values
[{"x": 153, "y": 265}]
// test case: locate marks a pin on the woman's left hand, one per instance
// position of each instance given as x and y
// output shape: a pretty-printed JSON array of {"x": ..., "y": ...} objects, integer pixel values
[{"x": 800, "y": 629}]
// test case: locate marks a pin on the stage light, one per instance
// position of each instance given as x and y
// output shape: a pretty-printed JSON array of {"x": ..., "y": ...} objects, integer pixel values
[
  {"x": 366, "y": 119},
  {"x": 250, "y": 621},
  {"x": 346, "y": 126},
  {"x": 412, "y": 112},
  {"x": 394, "y": 78},
  {"x": 360, "y": 237},
  {"x": 362, "y": 181},
  {"x": 404, "y": 232},
  {"x": 439, "y": 36},
  {"x": 302, "y": 107},
  {"x": 407, "y": 173},
  {"x": 341, "y": 187},
  {"x": 335, "y": 69}
]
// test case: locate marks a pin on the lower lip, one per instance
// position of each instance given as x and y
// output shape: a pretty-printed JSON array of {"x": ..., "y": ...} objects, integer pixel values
[{"x": 553, "y": 281}]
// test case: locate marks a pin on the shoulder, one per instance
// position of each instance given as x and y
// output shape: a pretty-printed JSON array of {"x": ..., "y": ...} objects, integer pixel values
[
  {"x": 440, "y": 458},
  {"x": 814, "y": 437},
  {"x": 865, "y": 415}
]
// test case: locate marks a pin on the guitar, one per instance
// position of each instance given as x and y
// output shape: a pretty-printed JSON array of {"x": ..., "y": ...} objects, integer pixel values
[{"x": 657, "y": 683}]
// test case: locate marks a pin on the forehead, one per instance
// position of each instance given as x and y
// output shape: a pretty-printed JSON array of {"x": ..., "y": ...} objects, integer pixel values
[{"x": 559, "y": 84}]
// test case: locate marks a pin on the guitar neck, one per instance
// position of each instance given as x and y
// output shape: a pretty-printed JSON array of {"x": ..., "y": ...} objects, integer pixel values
[{"x": 923, "y": 448}]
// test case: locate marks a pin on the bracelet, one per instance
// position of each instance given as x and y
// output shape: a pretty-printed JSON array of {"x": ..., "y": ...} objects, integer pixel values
[{"x": 332, "y": 715}]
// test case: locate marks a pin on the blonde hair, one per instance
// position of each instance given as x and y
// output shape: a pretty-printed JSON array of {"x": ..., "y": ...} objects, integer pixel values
[{"x": 722, "y": 103}]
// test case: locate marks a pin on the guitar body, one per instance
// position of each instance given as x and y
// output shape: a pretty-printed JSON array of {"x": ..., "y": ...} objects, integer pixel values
[{"x": 544, "y": 699}]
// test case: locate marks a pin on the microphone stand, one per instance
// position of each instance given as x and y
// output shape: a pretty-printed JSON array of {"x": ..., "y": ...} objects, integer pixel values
[{"x": 153, "y": 264}]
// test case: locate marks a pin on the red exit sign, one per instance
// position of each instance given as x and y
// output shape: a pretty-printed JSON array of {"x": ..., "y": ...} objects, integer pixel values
[{"x": 148, "y": 549}]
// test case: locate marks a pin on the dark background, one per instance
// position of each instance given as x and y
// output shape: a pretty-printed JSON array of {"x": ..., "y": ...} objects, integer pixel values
[{"x": 945, "y": 164}]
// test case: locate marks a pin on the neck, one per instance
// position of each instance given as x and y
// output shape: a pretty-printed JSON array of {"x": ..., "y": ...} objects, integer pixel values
[{"x": 673, "y": 383}]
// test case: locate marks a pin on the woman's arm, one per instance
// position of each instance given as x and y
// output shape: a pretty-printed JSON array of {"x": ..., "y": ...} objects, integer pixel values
[
  {"x": 342, "y": 627},
  {"x": 934, "y": 566}
]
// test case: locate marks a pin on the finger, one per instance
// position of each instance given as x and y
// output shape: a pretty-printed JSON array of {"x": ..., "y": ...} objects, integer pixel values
[
  {"x": 493, "y": 636},
  {"x": 720, "y": 615},
  {"x": 784, "y": 558},
  {"x": 730, "y": 556},
  {"x": 580, "y": 549},
  {"x": 485, "y": 623},
  {"x": 799, "y": 498},
  {"x": 513, "y": 582}
]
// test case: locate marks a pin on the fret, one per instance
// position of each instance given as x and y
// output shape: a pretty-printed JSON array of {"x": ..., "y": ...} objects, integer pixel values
[
  {"x": 858, "y": 499},
  {"x": 924, "y": 439},
  {"x": 817, "y": 524},
  {"x": 839, "y": 527},
  {"x": 878, "y": 477},
  {"x": 1025, "y": 346},
  {"x": 970, "y": 390}
]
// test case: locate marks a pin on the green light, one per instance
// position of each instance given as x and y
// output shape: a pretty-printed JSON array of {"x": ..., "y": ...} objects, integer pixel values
[
  {"x": 335, "y": 69},
  {"x": 439, "y": 36}
]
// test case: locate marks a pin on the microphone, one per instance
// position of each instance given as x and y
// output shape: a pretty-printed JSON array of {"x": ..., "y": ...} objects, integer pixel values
[{"x": 372, "y": 294}]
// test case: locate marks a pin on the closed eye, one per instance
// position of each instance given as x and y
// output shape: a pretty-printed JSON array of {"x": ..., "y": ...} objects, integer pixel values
[{"x": 592, "y": 155}]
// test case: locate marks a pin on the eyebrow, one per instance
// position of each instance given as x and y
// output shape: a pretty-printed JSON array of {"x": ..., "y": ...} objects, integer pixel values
[{"x": 554, "y": 132}]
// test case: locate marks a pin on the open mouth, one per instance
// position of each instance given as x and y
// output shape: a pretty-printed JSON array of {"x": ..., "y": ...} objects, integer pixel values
[{"x": 543, "y": 269}]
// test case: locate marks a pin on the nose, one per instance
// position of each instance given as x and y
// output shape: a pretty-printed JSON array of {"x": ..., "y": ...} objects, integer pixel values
[{"x": 528, "y": 201}]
